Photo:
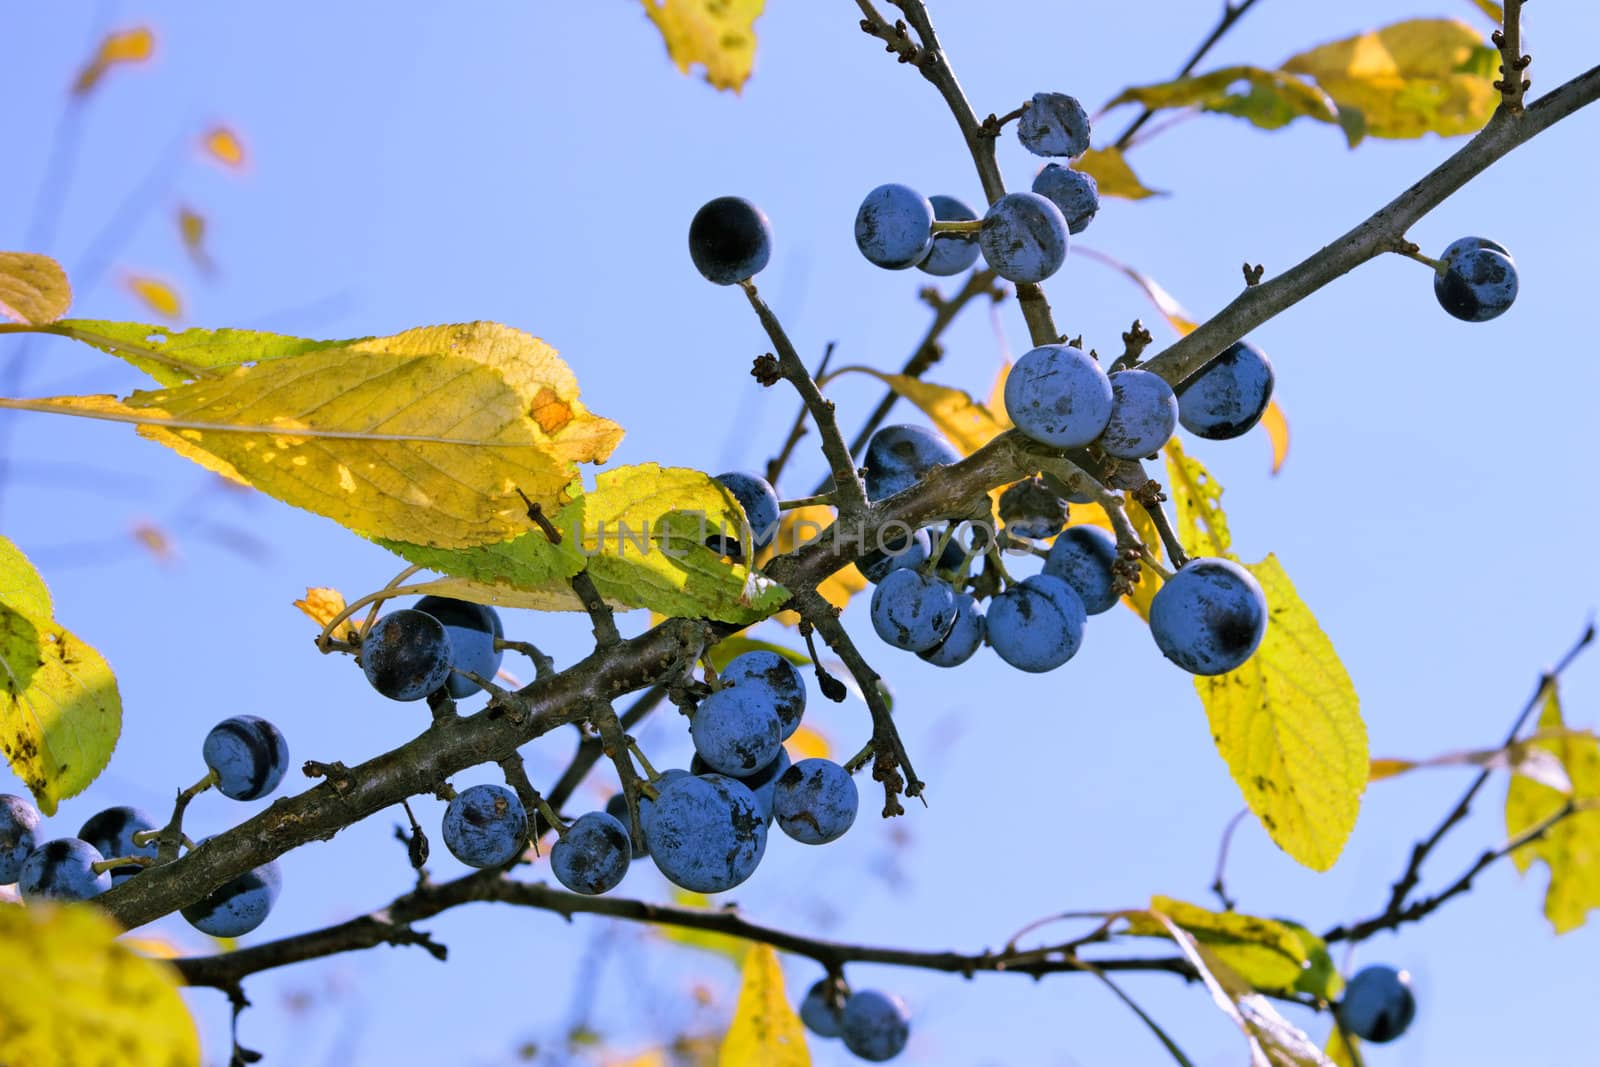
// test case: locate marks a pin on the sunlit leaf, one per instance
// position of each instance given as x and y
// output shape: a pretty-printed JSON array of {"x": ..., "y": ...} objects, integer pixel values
[
  {"x": 1112, "y": 174},
  {"x": 1268, "y": 98},
  {"x": 1414, "y": 77},
  {"x": 160, "y": 352},
  {"x": 432, "y": 437},
  {"x": 1321, "y": 977},
  {"x": 33, "y": 288},
  {"x": 1343, "y": 1049},
  {"x": 997, "y": 397},
  {"x": 1287, "y": 723},
  {"x": 60, "y": 714},
  {"x": 718, "y": 35},
  {"x": 1571, "y": 848},
  {"x": 644, "y": 529},
  {"x": 765, "y": 1029},
  {"x": 73, "y": 994},
  {"x": 967, "y": 424},
  {"x": 733, "y": 949},
  {"x": 1179, "y": 319},
  {"x": 1490, "y": 8},
  {"x": 1273, "y": 1040},
  {"x": 123, "y": 46},
  {"x": 1264, "y": 952},
  {"x": 223, "y": 145},
  {"x": 807, "y": 743},
  {"x": 323, "y": 605},
  {"x": 1277, "y": 428},
  {"x": 156, "y": 295}
]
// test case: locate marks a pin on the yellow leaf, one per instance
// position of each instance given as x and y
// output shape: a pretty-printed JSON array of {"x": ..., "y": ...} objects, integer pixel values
[
  {"x": 224, "y": 146},
  {"x": 153, "y": 945},
  {"x": 1288, "y": 724},
  {"x": 718, "y": 35},
  {"x": 997, "y": 397},
  {"x": 1112, "y": 175},
  {"x": 1179, "y": 319},
  {"x": 60, "y": 714},
  {"x": 801, "y": 526},
  {"x": 1379, "y": 769},
  {"x": 1414, "y": 77},
  {"x": 192, "y": 230},
  {"x": 156, "y": 295},
  {"x": 33, "y": 288},
  {"x": 765, "y": 1028},
  {"x": 431, "y": 437},
  {"x": 1268, "y": 98},
  {"x": 1202, "y": 524},
  {"x": 966, "y": 423},
  {"x": 1268, "y": 954},
  {"x": 644, "y": 529},
  {"x": 1343, "y": 1049},
  {"x": 73, "y": 994},
  {"x": 1277, "y": 428},
  {"x": 806, "y": 743},
  {"x": 733, "y": 949},
  {"x": 154, "y": 540},
  {"x": 124, "y": 46},
  {"x": 324, "y": 605},
  {"x": 1571, "y": 849},
  {"x": 1494, "y": 11},
  {"x": 553, "y": 595},
  {"x": 725, "y": 650}
]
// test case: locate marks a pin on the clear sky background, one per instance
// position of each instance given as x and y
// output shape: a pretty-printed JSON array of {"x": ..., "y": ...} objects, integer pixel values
[{"x": 538, "y": 164}]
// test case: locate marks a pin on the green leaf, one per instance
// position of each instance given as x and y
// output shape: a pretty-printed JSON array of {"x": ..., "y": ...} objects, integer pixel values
[
  {"x": 105, "y": 1003},
  {"x": 1405, "y": 80},
  {"x": 1571, "y": 848},
  {"x": 1112, "y": 175},
  {"x": 1287, "y": 723},
  {"x": 1267, "y": 98},
  {"x": 1264, "y": 952},
  {"x": 644, "y": 530},
  {"x": 1321, "y": 978},
  {"x": 60, "y": 714},
  {"x": 154, "y": 349},
  {"x": 765, "y": 1028}
]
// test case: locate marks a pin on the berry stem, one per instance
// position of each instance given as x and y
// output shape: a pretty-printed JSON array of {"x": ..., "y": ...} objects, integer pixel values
[
  {"x": 122, "y": 861},
  {"x": 820, "y": 499},
  {"x": 970, "y": 227},
  {"x": 1410, "y": 251}
]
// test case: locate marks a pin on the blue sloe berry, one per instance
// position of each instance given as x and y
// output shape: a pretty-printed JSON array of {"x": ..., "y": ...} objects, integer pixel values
[
  {"x": 19, "y": 820},
  {"x": 894, "y": 227},
  {"x": 1054, "y": 124},
  {"x": 783, "y": 681},
  {"x": 1228, "y": 396},
  {"x": 1144, "y": 413},
  {"x": 760, "y": 504},
  {"x": 1058, "y": 395},
  {"x": 249, "y": 756},
  {"x": 913, "y": 611},
  {"x": 1477, "y": 279},
  {"x": 818, "y": 1009},
  {"x": 406, "y": 654},
  {"x": 485, "y": 826},
  {"x": 1077, "y": 194},
  {"x": 1083, "y": 557},
  {"x": 963, "y": 640},
  {"x": 111, "y": 833},
  {"x": 952, "y": 252},
  {"x": 706, "y": 832},
  {"x": 1378, "y": 1004},
  {"x": 1037, "y": 624},
  {"x": 472, "y": 630},
  {"x": 62, "y": 870},
  {"x": 238, "y": 906},
  {"x": 1209, "y": 618},
  {"x": 815, "y": 801},
  {"x": 736, "y": 730},
  {"x": 729, "y": 240},
  {"x": 592, "y": 856},
  {"x": 1024, "y": 237},
  {"x": 874, "y": 1025},
  {"x": 898, "y": 456}
]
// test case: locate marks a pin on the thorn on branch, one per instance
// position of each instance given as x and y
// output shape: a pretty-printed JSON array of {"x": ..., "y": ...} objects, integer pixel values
[{"x": 336, "y": 774}]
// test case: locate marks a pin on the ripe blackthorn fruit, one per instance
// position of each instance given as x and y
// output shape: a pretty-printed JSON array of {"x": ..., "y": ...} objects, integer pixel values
[
  {"x": 1229, "y": 394},
  {"x": 1077, "y": 194},
  {"x": 1210, "y": 617},
  {"x": 1037, "y": 624},
  {"x": 1477, "y": 279},
  {"x": 785, "y": 685},
  {"x": 729, "y": 240},
  {"x": 898, "y": 456},
  {"x": 249, "y": 756},
  {"x": 736, "y": 730},
  {"x": 472, "y": 630},
  {"x": 1059, "y": 396},
  {"x": 238, "y": 906},
  {"x": 760, "y": 503},
  {"x": 111, "y": 833},
  {"x": 1030, "y": 509},
  {"x": 62, "y": 870},
  {"x": 592, "y": 856},
  {"x": 1083, "y": 557},
  {"x": 706, "y": 832},
  {"x": 913, "y": 611},
  {"x": 485, "y": 826},
  {"x": 963, "y": 640},
  {"x": 18, "y": 822},
  {"x": 952, "y": 252},
  {"x": 894, "y": 227},
  {"x": 815, "y": 801},
  {"x": 406, "y": 654},
  {"x": 875, "y": 1026},
  {"x": 1378, "y": 1005},
  {"x": 1054, "y": 124},
  {"x": 818, "y": 1011},
  {"x": 1024, "y": 237},
  {"x": 1144, "y": 412}
]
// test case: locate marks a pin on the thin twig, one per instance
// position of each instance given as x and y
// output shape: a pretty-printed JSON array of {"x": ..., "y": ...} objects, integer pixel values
[
  {"x": 1513, "y": 83},
  {"x": 1231, "y": 13},
  {"x": 777, "y": 463},
  {"x": 1218, "y": 884}
]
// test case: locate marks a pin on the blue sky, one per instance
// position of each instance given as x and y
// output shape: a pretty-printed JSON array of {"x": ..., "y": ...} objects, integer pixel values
[{"x": 538, "y": 165}]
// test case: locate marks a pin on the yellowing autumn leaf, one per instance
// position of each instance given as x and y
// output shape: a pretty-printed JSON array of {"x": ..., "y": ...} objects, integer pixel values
[
  {"x": 33, "y": 288},
  {"x": 431, "y": 437},
  {"x": 718, "y": 35},
  {"x": 1414, "y": 77},
  {"x": 60, "y": 714},
  {"x": 1179, "y": 319},
  {"x": 1571, "y": 848},
  {"x": 1268, "y": 954},
  {"x": 1268, "y": 98},
  {"x": 323, "y": 605},
  {"x": 124, "y": 46},
  {"x": 1277, "y": 428},
  {"x": 967, "y": 424},
  {"x": 73, "y": 994},
  {"x": 224, "y": 146},
  {"x": 174, "y": 357},
  {"x": 644, "y": 529},
  {"x": 156, "y": 295},
  {"x": 997, "y": 397},
  {"x": 192, "y": 231},
  {"x": 807, "y": 743},
  {"x": 1112, "y": 175},
  {"x": 1287, "y": 723},
  {"x": 765, "y": 1029}
]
